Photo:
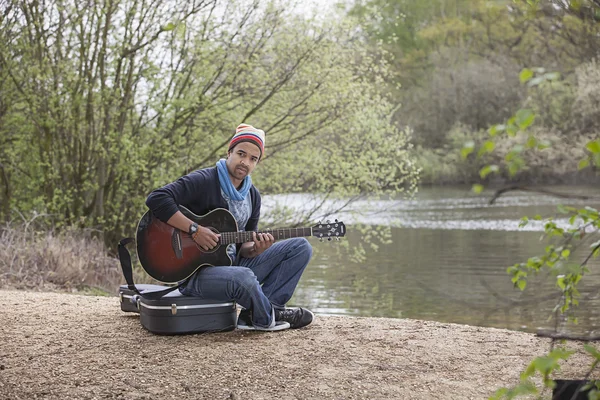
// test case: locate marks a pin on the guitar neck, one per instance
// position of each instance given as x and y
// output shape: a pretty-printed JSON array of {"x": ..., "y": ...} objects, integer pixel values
[{"x": 278, "y": 234}]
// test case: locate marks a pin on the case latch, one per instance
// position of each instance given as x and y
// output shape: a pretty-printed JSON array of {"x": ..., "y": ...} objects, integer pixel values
[{"x": 173, "y": 309}]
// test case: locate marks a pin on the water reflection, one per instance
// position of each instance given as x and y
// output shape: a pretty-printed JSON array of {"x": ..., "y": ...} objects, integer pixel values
[{"x": 447, "y": 262}]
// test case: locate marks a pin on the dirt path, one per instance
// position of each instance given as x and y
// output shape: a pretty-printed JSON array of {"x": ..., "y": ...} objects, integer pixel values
[{"x": 65, "y": 346}]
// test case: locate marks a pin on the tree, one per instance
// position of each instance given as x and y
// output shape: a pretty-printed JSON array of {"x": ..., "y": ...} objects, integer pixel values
[
  {"x": 449, "y": 58},
  {"x": 106, "y": 102}
]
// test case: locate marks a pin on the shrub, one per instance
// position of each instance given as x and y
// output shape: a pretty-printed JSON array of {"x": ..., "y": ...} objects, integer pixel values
[
  {"x": 73, "y": 259},
  {"x": 476, "y": 94},
  {"x": 587, "y": 97}
]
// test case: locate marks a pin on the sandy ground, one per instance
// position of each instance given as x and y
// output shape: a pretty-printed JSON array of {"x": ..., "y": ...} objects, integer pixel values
[{"x": 66, "y": 346}]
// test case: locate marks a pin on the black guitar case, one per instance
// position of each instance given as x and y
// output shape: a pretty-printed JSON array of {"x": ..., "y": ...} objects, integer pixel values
[
  {"x": 165, "y": 311},
  {"x": 126, "y": 294},
  {"x": 176, "y": 314}
]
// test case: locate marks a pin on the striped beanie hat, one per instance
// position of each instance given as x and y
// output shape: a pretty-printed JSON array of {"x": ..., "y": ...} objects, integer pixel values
[{"x": 248, "y": 133}]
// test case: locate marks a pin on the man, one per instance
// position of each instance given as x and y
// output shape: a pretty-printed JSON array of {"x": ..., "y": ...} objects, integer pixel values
[{"x": 276, "y": 266}]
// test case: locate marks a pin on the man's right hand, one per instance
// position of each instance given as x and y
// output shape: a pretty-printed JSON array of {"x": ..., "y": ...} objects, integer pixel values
[{"x": 205, "y": 238}]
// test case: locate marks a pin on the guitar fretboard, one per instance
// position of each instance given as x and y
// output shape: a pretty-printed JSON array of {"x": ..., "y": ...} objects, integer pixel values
[{"x": 278, "y": 234}]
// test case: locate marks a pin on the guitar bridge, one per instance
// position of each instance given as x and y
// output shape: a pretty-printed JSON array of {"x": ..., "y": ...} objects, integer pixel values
[{"x": 176, "y": 243}]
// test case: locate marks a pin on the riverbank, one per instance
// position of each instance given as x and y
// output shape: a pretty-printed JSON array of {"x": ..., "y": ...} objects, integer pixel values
[
  {"x": 556, "y": 165},
  {"x": 57, "y": 346}
]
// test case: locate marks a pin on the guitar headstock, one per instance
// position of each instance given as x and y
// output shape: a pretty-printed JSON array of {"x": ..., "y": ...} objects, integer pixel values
[{"x": 329, "y": 230}]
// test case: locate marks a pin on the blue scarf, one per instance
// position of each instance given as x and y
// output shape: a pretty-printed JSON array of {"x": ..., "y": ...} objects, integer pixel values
[{"x": 226, "y": 185}]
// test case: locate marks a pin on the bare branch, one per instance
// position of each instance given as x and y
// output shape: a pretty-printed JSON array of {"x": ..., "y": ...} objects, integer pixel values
[{"x": 545, "y": 333}]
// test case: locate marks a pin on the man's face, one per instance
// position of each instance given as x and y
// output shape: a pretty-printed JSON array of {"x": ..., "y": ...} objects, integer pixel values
[{"x": 242, "y": 159}]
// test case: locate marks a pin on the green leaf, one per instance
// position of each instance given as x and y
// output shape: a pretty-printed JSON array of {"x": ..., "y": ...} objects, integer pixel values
[
  {"x": 169, "y": 27},
  {"x": 525, "y": 75},
  {"x": 488, "y": 169},
  {"x": 529, "y": 371},
  {"x": 565, "y": 253},
  {"x": 521, "y": 284},
  {"x": 499, "y": 394},
  {"x": 561, "y": 353},
  {"x": 487, "y": 147},
  {"x": 544, "y": 364},
  {"x": 583, "y": 163},
  {"x": 592, "y": 350},
  {"x": 531, "y": 142},
  {"x": 467, "y": 149},
  {"x": 524, "y": 118},
  {"x": 494, "y": 130},
  {"x": 593, "y": 146},
  {"x": 513, "y": 168},
  {"x": 477, "y": 188}
]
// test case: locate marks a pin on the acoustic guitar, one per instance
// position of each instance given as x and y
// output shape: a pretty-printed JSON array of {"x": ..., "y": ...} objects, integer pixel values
[{"x": 169, "y": 255}]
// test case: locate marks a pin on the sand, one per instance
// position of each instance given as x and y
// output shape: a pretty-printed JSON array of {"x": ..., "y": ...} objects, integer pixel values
[{"x": 67, "y": 346}]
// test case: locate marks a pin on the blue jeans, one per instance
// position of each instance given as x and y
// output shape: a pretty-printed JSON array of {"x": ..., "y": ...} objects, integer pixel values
[{"x": 278, "y": 269}]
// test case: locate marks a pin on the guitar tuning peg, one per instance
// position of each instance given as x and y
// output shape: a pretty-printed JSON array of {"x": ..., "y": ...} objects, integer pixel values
[
  {"x": 338, "y": 239},
  {"x": 327, "y": 221},
  {"x": 321, "y": 240},
  {"x": 329, "y": 239},
  {"x": 336, "y": 220}
]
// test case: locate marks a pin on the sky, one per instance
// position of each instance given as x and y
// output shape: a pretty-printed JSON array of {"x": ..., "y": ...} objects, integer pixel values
[{"x": 309, "y": 7}]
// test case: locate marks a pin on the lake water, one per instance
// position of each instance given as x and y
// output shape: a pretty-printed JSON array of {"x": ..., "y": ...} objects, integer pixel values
[{"x": 447, "y": 261}]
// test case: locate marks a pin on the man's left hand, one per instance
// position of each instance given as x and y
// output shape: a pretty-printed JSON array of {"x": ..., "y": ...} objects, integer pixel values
[{"x": 262, "y": 241}]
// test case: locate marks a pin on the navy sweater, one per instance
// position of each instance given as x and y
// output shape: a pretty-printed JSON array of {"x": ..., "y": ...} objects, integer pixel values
[{"x": 199, "y": 192}]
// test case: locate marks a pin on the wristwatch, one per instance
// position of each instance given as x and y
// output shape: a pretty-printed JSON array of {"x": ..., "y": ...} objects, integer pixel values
[{"x": 193, "y": 228}]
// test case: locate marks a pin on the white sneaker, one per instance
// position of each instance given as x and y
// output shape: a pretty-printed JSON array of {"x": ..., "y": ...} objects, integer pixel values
[{"x": 245, "y": 323}]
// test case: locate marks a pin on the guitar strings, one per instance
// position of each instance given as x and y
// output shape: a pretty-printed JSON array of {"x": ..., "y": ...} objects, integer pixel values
[{"x": 246, "y": 236}]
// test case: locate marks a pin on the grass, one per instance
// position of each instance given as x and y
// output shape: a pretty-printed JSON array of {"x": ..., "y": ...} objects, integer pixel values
[{"x": 71, "y": 260}]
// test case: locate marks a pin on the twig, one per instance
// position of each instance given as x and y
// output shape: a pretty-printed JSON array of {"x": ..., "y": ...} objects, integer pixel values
[
  {"x": 590, "y": 255},
  {"x": 565, "y": 336}
]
